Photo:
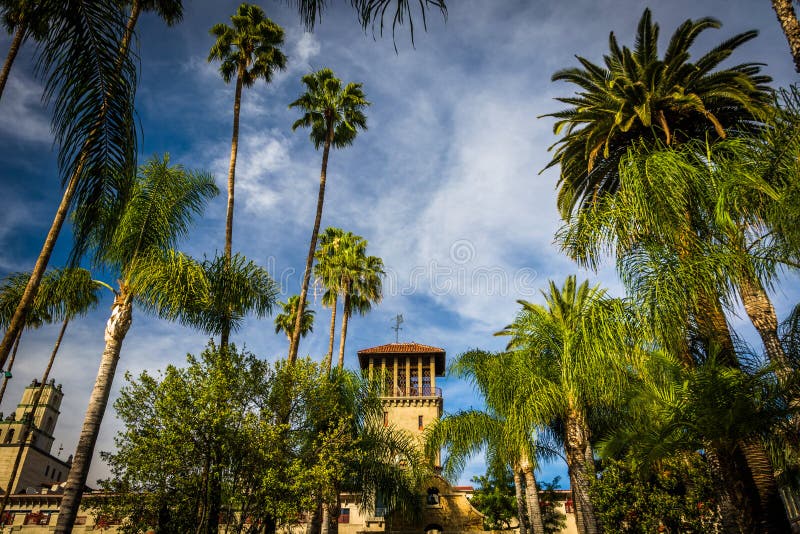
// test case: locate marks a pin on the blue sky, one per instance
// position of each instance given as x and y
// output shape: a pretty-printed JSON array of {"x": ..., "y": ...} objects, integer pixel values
[{"x": 444, "y": 184}]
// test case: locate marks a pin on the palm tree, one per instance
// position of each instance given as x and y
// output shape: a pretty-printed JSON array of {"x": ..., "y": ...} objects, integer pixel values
[
  {"x": 508, "y": 438},
  {"x": 334, "y": 114},
  {"x": 249, "y": 51},
  {"x": 638, "y": 96},
  {"x": 356, "y": 453},
  {"x": 69, "y": 292},
  {"x": 284, "y": 321},
  {"x": 568, "y": 356},
  {"x": 791, "y": 27},
  {"x": 136, "y": 239},
  {"x": 361, "y": 287},
  {"x": 326, "y": 270},
  {"x": 90, "y": 79},
  {"x": 23, "y": 18}
]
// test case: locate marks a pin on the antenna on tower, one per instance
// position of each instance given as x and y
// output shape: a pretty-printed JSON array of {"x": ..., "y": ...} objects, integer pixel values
[{"x": 398, "y": 320}]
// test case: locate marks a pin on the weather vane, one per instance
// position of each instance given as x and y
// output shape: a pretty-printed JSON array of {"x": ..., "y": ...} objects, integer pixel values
[{"x": 398, "y": 320}]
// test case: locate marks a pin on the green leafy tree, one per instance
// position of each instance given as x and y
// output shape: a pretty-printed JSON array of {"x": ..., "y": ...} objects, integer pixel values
[
  {"x": 249, "y": 51},
  {"x": 494, "y": 498},
  {"x": 677, "y": 498},
  {"x": 136, "y": 239},
  {"x": 334, "y": 114},
  {"x": 638, "y": 96},
  {"x": 553, "y": 519}
]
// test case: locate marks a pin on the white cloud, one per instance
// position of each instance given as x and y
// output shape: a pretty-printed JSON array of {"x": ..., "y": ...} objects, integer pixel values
[{"x": 21, "y": 111}]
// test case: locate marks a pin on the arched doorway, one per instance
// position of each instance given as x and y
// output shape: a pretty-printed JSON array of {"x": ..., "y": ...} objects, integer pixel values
[{"x": 434, "y": 528}]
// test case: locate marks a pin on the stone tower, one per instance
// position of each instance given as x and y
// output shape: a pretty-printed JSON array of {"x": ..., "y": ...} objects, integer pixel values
[
  {"x": 411, "y": 399},
  {"x": 38, "y": 467}
]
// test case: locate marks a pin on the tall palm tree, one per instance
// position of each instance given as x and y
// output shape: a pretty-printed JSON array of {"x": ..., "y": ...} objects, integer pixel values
[
  {"x": 248, "y": 51},
  {"x": 787, "y": 17},
  {"x": 362, "y": 286},
  {"x": 326, "y": 270},
  {"x": 136, "y": 239},
  {"x": 568, "y": 357},
  {"x": 284, "y": 321},
  {"x": 639, "y": 97},
  {"x": 91, "y": 79},
  {"x": 69, "y": 292},
  {"x": 334, "y": 114}
]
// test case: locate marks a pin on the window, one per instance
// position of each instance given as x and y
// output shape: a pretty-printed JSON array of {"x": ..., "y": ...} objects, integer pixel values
[
  {"x": 344, "y": 515},
  {"x": 385, "y": 418},
  {"x": 433, "y": 497},
  {"x": 419, "y": 422},
  {"x": 58, "y": 478},
  {"x": 10, "y": 435},
  {"x": 47, "y": 470}
]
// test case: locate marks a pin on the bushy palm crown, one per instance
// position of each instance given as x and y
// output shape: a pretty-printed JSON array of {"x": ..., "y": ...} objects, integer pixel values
[
  {"x": 137, "y": 234},
  {"x": 326, "y": 105},
  {"x": 251, "y": 46},
  {"x": 284, "y": 321},
  {"x": 31, "y": 13},
  {"x": 62, "y": 294},
  {"x": 638, "y": 96},
  {"x": 568, "y": 351}
]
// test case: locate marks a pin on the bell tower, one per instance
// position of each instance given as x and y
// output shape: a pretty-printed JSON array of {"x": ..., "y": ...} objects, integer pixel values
[{"x": 411, "y": 400}]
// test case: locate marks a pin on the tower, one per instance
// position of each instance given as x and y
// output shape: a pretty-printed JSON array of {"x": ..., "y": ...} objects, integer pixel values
[
  {"x": 411, "y": 400},
  {"x": 38, "y": 467}
]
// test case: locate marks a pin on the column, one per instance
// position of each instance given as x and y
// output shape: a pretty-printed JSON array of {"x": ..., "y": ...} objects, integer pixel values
[
  {"x": 407, "y": 392},
  {"x": 394, "y": 385},
  {"x": 419, "y": 376}
]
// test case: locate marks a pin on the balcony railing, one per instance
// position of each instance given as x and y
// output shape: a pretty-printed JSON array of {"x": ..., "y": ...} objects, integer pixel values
[
  {"x": 378, "y": 517},
  {"x": 424, "y": 391}
]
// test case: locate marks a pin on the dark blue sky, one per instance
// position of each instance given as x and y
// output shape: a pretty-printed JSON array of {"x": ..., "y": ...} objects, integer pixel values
[{"x": 444, "y": 184}]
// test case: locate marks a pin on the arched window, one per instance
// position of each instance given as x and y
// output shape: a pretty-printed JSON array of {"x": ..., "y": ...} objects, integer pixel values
[
  {"x": 434, "y": 529},
  {"x": 433, "y": 497},
  {"x": 49, "y": 427},
  {"x": 9, "y": 435}
]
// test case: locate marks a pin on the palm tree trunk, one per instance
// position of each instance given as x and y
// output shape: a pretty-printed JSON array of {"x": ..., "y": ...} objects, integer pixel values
[
  {"x": 16, "y": 42},
  {"x": 771, "y": 512},
  {"x": 345, "y": 320},
  {"x": 532, "y": 497},
  {"x": 237, "y": 103},
  {"x": 575, "y": 445},
  {"x": 522, "y": 515},
  {"x": 791, "y": 27},
  {"x": 25, "y": 303},
  {"x": 116, "y": 328},
  {"x": 10, "y": 366},
  {"x": 762, "y": 314},
  {"x": 760, "y": 488},
  {"x": 293, "y": 348},
  {"x": 26, "y": 427},
  {"x": 329, "y": 356}
]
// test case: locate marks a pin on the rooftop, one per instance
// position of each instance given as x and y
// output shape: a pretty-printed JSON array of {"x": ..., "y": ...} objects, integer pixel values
[{"x": 400, "y": 349}]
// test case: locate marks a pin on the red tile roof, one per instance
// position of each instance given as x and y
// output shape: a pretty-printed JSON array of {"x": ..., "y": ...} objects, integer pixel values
[
  {"x": 394, "y": 350},
  {"x": 401, "y": 348}
]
